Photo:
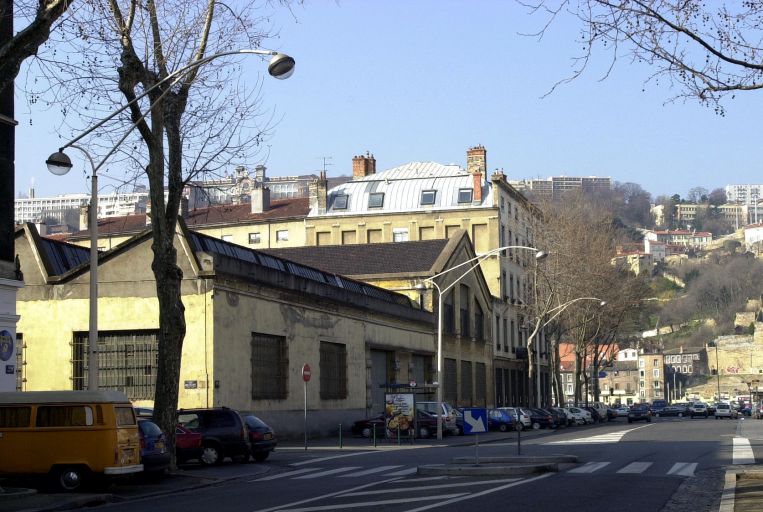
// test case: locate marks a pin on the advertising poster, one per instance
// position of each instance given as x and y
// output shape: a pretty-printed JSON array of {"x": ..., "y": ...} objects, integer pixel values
[{"x": 399, "y": 414}]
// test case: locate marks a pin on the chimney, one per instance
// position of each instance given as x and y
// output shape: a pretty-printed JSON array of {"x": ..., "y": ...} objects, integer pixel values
[
  {"x": 319, "y": 194},
  {"x": 260, "y": 198},
  {"x": 259, "y": 174},
  {"x": 363, "y": 166},
  {"x": 477, "y": 196},
  {"x": 476, "y": 160},
  {"x": 84, "y": 218}
]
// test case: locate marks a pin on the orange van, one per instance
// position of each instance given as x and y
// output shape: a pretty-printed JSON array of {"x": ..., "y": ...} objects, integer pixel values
[{"x": 68, "y": 435}]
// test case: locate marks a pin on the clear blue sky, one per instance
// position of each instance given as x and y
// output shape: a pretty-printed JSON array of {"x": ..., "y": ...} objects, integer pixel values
[{"x": 424, "y": 80}]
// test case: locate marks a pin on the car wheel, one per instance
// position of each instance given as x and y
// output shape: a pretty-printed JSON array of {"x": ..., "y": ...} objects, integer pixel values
[
  {"x": 423, "y": 432},
  {"x": 502, "y": 427},
  {"x": 70, "y": 478},
  {"x": 649, "y": 420},
  {"x": 366, "y": 432},
  {"x": 657, "y": 415},
  {"x": 536, "y": 426},
  {"x": 680, "y": 415},
  {"x": 261, "y": 456},
  {"x": 210, "y": 455},
  {"x": 520, "y": 426}
]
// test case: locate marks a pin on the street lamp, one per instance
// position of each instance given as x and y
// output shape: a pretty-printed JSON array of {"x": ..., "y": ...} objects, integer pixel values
[
  {"x": 281, "y": 66},
  {"x": 559, "y": 309},
  {"x": 717, "y": 367},
  {"x": 539, "y": 255}
]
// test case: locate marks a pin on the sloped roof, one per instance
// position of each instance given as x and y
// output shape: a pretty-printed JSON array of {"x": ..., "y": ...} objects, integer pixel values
[
  {"x": 402, "y": 187},
  {"x": 365, "y": 259}
]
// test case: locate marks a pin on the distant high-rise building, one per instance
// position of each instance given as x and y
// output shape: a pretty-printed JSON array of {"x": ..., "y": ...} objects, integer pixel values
[
  {"x": 744, "y": 194},
  {"x": 555, "y": 186}
]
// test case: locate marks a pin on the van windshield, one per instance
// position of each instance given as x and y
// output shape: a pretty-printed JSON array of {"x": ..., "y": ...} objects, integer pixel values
[{"x": 125, "y": 416}]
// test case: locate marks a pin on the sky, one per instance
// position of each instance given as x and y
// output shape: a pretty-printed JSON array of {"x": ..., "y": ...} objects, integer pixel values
[{"x": 425, "y": 80}]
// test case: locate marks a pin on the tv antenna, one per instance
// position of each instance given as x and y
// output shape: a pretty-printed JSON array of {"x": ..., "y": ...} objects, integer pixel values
[{"x": 325, "y": 162}]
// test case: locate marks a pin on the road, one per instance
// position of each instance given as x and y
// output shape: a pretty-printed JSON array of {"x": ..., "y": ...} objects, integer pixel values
[{"x": 669, "y": 465}]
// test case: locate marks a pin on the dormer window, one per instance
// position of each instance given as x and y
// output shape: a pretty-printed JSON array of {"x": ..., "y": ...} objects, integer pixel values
[
  {"x": 465, "y": 195},
  {"x": 428, "y": 196},
  {"x": 376, "y": 200},
  {"x": 340, "y": 202}
]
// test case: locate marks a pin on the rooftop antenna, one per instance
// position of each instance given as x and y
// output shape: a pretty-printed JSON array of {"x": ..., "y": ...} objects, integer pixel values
[{"x": 325, "y": 162}]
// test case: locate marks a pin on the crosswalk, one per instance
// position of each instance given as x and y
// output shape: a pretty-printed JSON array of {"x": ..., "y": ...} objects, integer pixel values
[
  {"x": 681, "y": 469},
  {"x": 610, "y": 437}
]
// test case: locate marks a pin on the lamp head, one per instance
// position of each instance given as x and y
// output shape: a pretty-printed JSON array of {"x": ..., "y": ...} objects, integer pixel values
[
  {"x": 420, "y": 287},
  {"x": 59, "y": 163},
  {"x": 541, "y": 255},
  {"x": 281, "y": 66},
  {"x": 602, "y": 303}
]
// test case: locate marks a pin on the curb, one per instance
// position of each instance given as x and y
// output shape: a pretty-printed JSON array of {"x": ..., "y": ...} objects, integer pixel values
[
  {"x": 543, "y": 459},
  {"x": 480, "y": 470},
  {"x": 12, "y": 493},
  {"x": 729, "y": 492}
]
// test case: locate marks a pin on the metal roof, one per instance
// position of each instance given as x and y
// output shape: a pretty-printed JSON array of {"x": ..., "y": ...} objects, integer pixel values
[
  {"x": 50, "y": 397},
  {"x": 402, "y": 187}
]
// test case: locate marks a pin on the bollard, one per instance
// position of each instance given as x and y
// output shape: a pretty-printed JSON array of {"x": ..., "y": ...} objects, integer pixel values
[
  {"x": 374, "y": 428},
  {"x": 340, "y": 436}
]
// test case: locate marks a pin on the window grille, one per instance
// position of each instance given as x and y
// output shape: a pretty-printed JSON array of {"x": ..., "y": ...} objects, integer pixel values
[
  {"x": 333, "y": 367},
  {"x": 464, "y": 310},
  {"x": 270, "y": 367},
  {"x": 466, "y": 383},
  {"x": 127, "y": 362},
  {"x": 449, "y": 320},
  {"x": 479, "y": 322},
  {"x": 480, "y": 383}
]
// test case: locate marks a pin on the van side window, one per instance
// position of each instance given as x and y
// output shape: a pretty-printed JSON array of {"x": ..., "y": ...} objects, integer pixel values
[
  {"x": 98, "y": 415},
  {"x": 125, "y": 416},
  {"x": 189, "y": 420},
  {"x": 64, "y": 416},
  {"x": 17, "y": 417}
]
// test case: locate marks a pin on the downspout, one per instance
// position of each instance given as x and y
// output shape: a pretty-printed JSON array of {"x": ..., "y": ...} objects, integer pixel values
[{"x": 206, "y": 365}]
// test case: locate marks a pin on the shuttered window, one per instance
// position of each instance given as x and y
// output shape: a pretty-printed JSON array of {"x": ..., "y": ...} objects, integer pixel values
[{"x": 333, "y": 368}]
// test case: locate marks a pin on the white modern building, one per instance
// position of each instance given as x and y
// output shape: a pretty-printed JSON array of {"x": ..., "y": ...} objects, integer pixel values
[
  {"x": 744, "y": 194},
  {"x": 38, "y": 209}
]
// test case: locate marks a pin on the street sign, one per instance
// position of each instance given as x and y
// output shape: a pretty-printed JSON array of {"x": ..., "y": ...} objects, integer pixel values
[
  {"x": 306, "y": 373},
  {"x": 475, "y": 421},
  {"x": 602, "y": 375}
]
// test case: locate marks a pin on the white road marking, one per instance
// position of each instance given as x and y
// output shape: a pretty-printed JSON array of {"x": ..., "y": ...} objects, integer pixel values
[
  {"x": 589, "y": 467},
  {"x": 743, "y": 451},
  {"x": 612, "y": 437},
  {"x": 683, "y": 469},
  {"x": 321, "y": 459},
  {"x": 428, "y": 487},
  {"x": 403, "y": 472},
  {"x": 327, "y": 473},
  {"x": 285, "y": 475},
  {"x": 370, "y": 503},
  {"x": 371, "y": 471},
  {"x": 481, "y": 493},
  {"x": 635, "y": 467},
  {"x": 329, "y": 495}
]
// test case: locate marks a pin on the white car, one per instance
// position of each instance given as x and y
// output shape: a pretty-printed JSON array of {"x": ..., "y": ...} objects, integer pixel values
[
  {"x": 580, "y": 416},
  {"x": 725, "y": 411},
  {"x": 623, "y": 411},
  {"x": 524, "y": 418}
]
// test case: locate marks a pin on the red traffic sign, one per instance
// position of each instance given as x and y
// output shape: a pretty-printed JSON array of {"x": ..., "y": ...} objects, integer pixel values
[{"x": 306, "y": 373}]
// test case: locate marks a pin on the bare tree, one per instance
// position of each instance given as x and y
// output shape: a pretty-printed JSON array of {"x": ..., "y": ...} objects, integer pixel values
[
  {"x": 705, "y": 50},
  {"x": 191, "y": 115}
]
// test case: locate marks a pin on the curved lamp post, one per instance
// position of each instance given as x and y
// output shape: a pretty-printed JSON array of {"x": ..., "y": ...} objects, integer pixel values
[
  {"x": 281, "y": 66},
  {"x": 559, "y": 309},
  {"x": 475, "y": 262}
]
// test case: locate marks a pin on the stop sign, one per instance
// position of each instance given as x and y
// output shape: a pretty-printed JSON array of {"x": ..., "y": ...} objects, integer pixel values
[{"x": 306, "y": 372}]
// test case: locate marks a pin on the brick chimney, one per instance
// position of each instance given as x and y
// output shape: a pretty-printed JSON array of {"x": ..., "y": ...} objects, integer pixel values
[
  {"x": 477, "y": 196},
  {"x": 476, "y": 160},
  {"x": 363, "y": 165},
  {"x": 260, "y": 198},
  {"x": 319, "y": 193},
  {"x": 84, "y": 217}
]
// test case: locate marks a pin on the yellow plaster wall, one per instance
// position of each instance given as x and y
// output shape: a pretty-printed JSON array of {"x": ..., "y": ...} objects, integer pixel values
[{"x": 239, "y": 234}]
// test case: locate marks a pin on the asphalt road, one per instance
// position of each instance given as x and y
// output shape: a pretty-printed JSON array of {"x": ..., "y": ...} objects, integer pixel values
[{"x": 669, "y": 465}]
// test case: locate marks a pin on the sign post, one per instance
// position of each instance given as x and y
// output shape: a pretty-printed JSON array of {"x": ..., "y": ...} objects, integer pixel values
[
  {"x": 306, "y": 374},
  {"x": 475, "y": 422}
]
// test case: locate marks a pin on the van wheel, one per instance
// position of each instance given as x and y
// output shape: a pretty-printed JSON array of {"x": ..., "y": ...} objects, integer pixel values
[
  {"x": 503, "y": 427},
  {"x": 210, "y": 455},
  {"x": 423, "y": 432},
  {"x": 536, "y": 426},
  {"x": 70, "y": 478}
]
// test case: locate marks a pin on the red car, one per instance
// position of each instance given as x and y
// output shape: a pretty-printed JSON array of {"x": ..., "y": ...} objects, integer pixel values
[{"x": 187, "y": 444}]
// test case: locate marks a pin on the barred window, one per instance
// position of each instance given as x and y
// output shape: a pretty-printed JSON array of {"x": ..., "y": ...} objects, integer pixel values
[
  {"x": 479, "y": 322},
  {"x": 480, "y": 384},
  {"x": 127, "y": 362},
  {"x": 466, "y": 383},
  {"x": 449, "y": 317},
  {"x": 464, "y": 310},
  {"x": 450, "y": 388},
  {"x": 270, "y": 367},
  {"x": 333, "y": 369}
]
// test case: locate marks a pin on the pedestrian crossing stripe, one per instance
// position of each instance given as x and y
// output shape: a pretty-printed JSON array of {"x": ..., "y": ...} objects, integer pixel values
[{"x": 611, "y": 437}]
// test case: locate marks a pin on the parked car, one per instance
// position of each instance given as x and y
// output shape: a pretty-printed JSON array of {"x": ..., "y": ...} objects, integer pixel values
[
  {"x": 699, "y": 409},
  {"x": 611, "y": 414},
  {"x": 594, "y": 414},
  {"x": 187, "y": 444},
  {"x": 639, "y": 412},
  {"x": 725, "y": 411},
  {"x": 541, "y": 418},
  {"x": 658, "y": 406},
  {"x": 365, "y": 427},
  {"x": 558, "y": 419},
  {"x": 262, "y": 438},
  {"x": 524, "y": 416},
  {"x": 623, "y": 411},
  {"x": 570, "y": 420},
  {"x": 599, "y": 407},
  {"x": 499, "y": 419},
  {"x": 711, "y": 409},
  {"x": 448, "y": 414},
  {"x": 746, "y": 410},
  {"x": 153, "y": 447},
  {"x": 580, "y": 416},
  {"x": 223, "y": 433}
]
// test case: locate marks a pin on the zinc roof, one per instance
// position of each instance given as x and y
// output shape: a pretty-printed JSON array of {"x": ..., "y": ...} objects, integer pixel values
[{"x": 402, "y": 187}]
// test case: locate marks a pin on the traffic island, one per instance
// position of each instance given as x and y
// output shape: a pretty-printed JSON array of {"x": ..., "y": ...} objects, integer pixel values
[{"x": 497, "y": 466}]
